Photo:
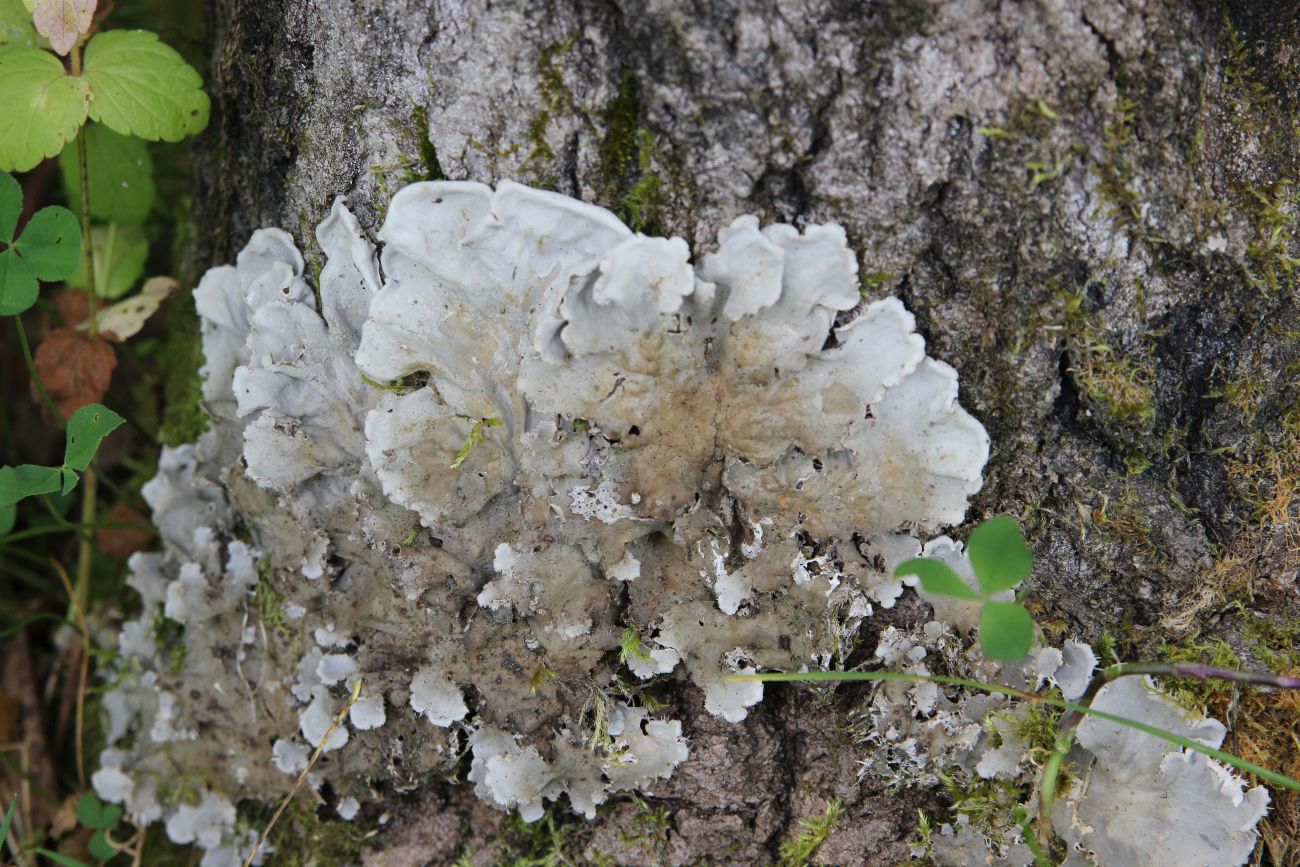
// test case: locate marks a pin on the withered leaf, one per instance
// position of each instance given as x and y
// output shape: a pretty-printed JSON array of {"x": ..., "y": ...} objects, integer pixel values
[{"x": 75, "y": 369}]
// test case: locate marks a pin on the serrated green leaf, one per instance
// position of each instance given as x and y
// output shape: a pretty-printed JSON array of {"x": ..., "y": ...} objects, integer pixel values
[
  {"x": 1006, "y": 631},
  {"x": 61, "y": 860},
  {"x": 120, "y": 173},
  {"x": 120, "y": 254},
  {"x": 86, "y": 430},
  {"x": 998, "y": 554},
  {"x": 937, "y": 578},
  {"x": 28, "y": 480},
  {"x": 142, "y": 87},
  {"x": 16, "y": 24},
  {"x": 18, "y": 286},
  {"x": 8, "y": 517},
  {"x": 11, "y": 206},
  {"x": 51, "y": 243},
  {"x": 41, "y": 107}
]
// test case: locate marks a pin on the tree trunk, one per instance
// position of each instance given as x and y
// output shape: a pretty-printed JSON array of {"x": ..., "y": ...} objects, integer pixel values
[{"x": 1085, "y": 203}]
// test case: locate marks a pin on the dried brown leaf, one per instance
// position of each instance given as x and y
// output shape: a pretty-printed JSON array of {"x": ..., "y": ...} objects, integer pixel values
[
  {"x": 125, "y": 318},
  {"x": 75, "y": 369}
]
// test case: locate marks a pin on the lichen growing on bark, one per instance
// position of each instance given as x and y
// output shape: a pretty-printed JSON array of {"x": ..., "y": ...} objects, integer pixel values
[
  {"x": 583, "y": 432},
  {"x": 462, "y": 472}
]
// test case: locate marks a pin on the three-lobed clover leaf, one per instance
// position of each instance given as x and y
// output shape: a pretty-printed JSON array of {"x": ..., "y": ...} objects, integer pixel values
[
  {"x": 100, "y": 817},
  {"x": 1001, "y": 560},
  {"x": 49, "y": 248}
]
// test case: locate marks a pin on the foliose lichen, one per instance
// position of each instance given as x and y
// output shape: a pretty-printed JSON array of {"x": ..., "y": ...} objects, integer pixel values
[{"x": 471, "y": 464}]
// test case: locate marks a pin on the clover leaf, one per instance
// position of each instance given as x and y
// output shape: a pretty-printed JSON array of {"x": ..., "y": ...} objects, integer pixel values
[
  {"x": 1001, "y": 560},
  {"x": 49, "y": 248}
]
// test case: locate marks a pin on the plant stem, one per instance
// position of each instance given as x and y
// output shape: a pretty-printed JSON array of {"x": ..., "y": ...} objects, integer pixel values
[
  {"x": 86, "y": 550},
  {"x": 31, "y": 371},
  {"x": 320, "y": 748},
  {"x": 91, "y": 313},
  {"x": 1175, "y": 669},
  {"x": 1155, "y": 731}
]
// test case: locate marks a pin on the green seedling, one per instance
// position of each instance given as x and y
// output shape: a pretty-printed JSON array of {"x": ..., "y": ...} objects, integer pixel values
[{"x": 1001, "y": 560}]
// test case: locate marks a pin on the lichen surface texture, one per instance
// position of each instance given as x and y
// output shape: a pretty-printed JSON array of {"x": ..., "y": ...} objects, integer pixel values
[{"x": 524, "y": 464}]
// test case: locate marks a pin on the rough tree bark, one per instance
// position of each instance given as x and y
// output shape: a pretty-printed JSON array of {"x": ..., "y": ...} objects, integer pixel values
[{"x": 1083, "y": 201}]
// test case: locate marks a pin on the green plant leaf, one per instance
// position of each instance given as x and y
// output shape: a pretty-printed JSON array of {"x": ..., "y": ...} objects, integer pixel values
[
  {"x": 28, "y": 480},
  {"x": 120, "y": 254},
  {"x": 61, "y": 860},
  {"x": 143, "y": 87},
  {"x": 9, "y": 817},
  {"x": 86, "y": 430},
  {"x": 18, "y": 286},
  {"x": 51, "y": 243},
  {"x": 16, "y": 24},
  {"x": 41, "y": 107},
  {"x": 100, "y": 848},
  {"x": 94, "y": 813},
  {"x": 120, "y": 173},
  {"x": 936, "y": 578},
  {"x": 8, "y": 517},
  {"x": 998, "y": 554},
  {"x": 11, "y": 206},
  {"x": 1006, "y": 631}
]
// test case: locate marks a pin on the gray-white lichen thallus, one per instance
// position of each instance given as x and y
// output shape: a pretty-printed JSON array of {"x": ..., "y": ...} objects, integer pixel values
[{"x": 463, "y": 470}]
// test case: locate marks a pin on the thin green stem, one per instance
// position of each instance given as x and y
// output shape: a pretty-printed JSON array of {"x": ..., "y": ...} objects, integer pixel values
[
  {"x": 46, "y": 531},
  {"x": 86, "y": 550},
  {"x": 87, "y": 243},
  {"x": 1168, "y": 736},
  {"x": 31, "y": 371}
]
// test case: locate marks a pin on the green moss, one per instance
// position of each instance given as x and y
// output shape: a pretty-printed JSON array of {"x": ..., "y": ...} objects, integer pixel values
[
  {"x": 812, "y": 834},
  {"x": 555, "y": 98},
  {"x": 548, "y": 842},
  {"x": 301, "y": 838},
  {"x": 1212, "y": 696},
  {"x": 1272, "y": 209},
  {"x": 644, "y": 202},
  {"x": 428, "y": 153},
  {"x": 989, "y": 804},
  {"x": 1119, "y": 386},
  {"x": 619, "y": 149},
  {"x": 169, "y": 636},
  {"x": 632, "y": 185},
  {"x": 1115, "y": 173},
  {"x": 179, "y": 357},
  {"x": 269, "y": 600}
]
